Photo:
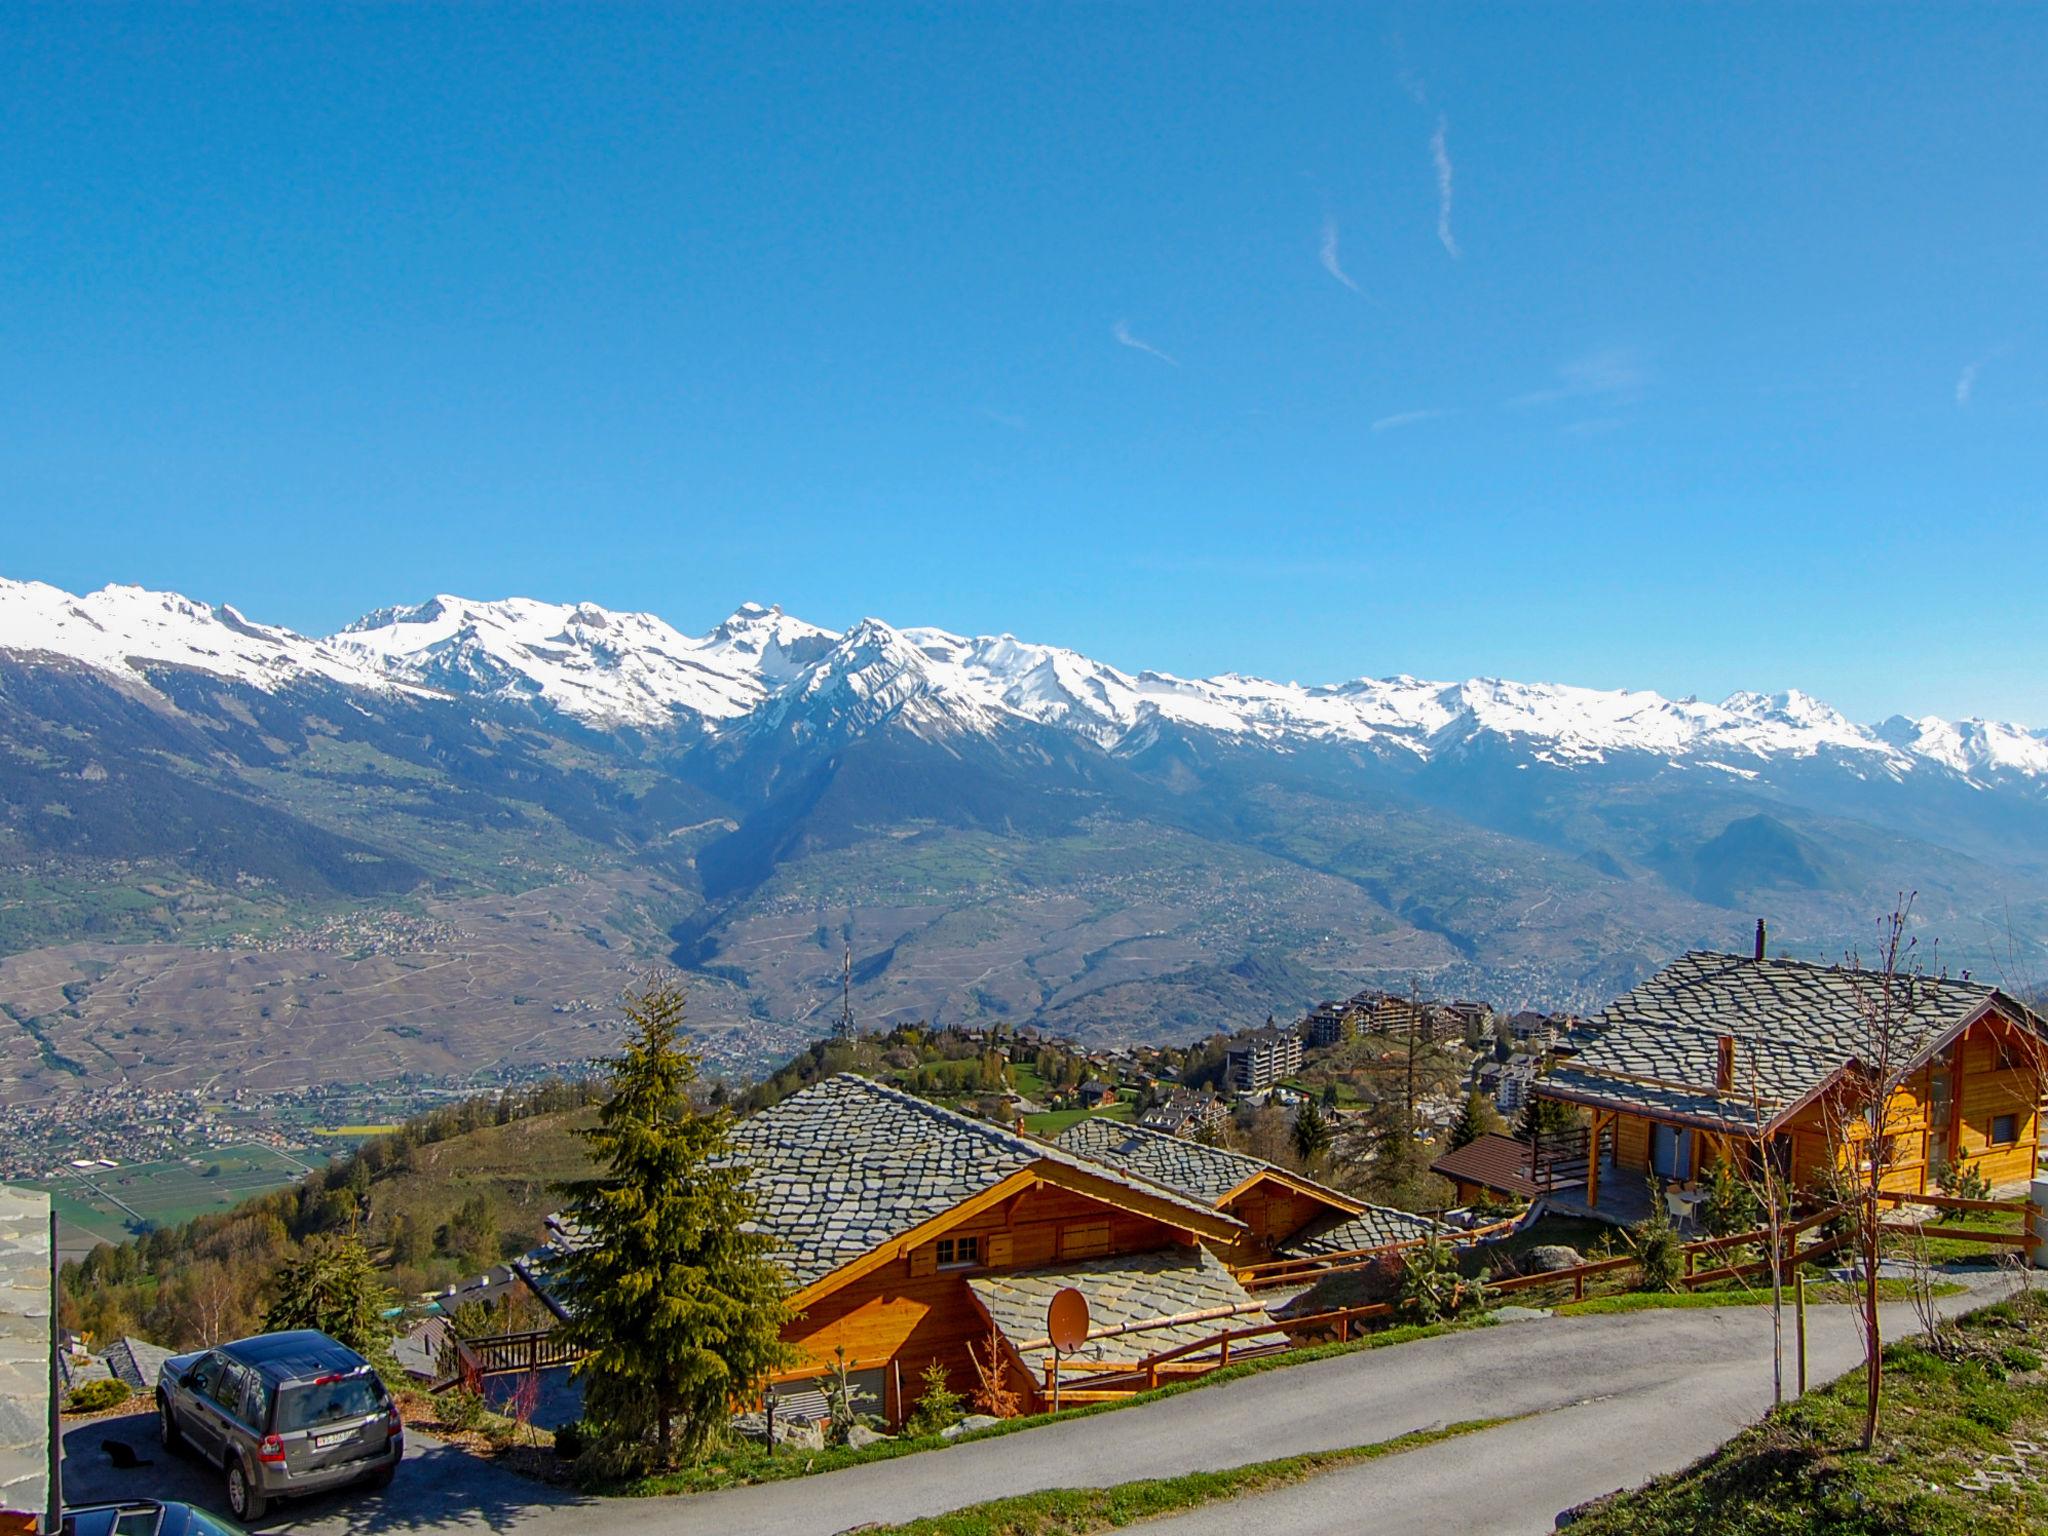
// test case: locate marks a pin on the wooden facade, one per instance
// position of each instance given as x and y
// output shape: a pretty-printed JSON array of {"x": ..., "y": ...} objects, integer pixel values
[{"x": 907, "y": 1304}]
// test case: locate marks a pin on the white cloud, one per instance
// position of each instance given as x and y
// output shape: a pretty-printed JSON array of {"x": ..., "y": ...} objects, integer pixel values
[
  {"x": 1328, "y": 256},
  {"x": 1409, "y": 418},
  {"x": 1966, "y": 381},
  {"x": 1440, "y": 152},
  {"x": 1122, "y": 332},
  {"x": 1613, "y": 373}
]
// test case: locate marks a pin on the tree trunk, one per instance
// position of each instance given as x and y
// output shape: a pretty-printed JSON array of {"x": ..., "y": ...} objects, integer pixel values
[
  {"x": 662, "y": 1434},
  {"x": 1873, "y": 1344}
]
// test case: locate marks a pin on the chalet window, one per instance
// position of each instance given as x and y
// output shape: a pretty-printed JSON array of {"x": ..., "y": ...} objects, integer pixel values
[
  {"x": 2005, "y": 1130},
  {"x": 959, "y": 1252},
  {"x": 1085, "y": 1241},
  {"x": 2007, "y": 1056}
]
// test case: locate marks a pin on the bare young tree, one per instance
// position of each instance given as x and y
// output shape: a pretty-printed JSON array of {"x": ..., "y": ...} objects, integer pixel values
[{"x": 1867, "y": 1116}]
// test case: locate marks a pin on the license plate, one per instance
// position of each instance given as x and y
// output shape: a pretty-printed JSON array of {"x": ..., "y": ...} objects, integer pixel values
[{"x": 322, "y": 1442}]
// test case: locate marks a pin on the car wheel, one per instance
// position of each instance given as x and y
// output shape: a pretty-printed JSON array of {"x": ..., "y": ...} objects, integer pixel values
[
  {"x": 381, "y": 1479},
  {"x": 244, "y": 1502},
  {"x": 167, "y": 1425}
]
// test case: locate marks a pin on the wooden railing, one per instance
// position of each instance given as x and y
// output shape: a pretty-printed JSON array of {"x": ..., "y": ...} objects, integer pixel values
[
  {"x": 1309, "y": 1268},
  {"x": 499, "y": 1354},
  {"x": 1101, "y": 1381}
]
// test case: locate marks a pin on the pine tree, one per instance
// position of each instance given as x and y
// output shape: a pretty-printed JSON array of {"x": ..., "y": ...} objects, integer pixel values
[
  {"x": 679, "y": 1308},
  {"x": 1311, "y": 1132},
  {"x": 1474, "y": 1120},
  {"x": 331, "y": 1285}
]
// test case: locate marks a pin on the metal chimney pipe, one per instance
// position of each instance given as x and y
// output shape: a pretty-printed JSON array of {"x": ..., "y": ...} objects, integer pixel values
[{"x": 1759, "y": 939}]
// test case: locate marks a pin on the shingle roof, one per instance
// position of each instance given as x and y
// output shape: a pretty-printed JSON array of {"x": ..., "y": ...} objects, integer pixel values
[
  {"x": 1132, "y": 1288},
  {"x": 1374, "y": 1227},
  {"x": 1794, "y": 1024},
  {"x": 137, "y": 1362},
  {"x": 1493, "y": 1160},
  {"x": 1200, "y": 1172},
  {"x": 844, "y": 1165}
]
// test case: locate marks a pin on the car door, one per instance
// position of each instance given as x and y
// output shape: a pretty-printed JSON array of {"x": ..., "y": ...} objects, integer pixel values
[
  {"x": 193, "y": 1401},
  {"x": 224, "y": 1407}
]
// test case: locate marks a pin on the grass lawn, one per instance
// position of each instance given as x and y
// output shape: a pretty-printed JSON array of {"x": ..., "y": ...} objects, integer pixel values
[
  {"x": 1073, "y": 1511},
  {"x": 1945, "y": 1416},
  {"x": 1826, "y": 1293}
]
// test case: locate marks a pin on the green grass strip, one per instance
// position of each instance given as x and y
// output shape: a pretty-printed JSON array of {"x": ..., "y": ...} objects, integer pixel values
[
  {"x": 1076, "y": 1511},
  {"x": 1828, "y": 1294}
]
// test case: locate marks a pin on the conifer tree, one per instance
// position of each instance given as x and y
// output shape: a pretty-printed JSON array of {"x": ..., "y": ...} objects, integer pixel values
[
  {"x": 1475, "y": 1119},
  {"x": 330, "y": 1285},
  {"x": 1311, "y": 1132},
  {"x": 679, "y": 1308}
]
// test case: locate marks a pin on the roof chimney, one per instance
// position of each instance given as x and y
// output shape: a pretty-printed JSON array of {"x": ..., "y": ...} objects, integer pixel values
[
  {"x": 1724, "y": 1064},
  {"x": 1759, "y": 939}
]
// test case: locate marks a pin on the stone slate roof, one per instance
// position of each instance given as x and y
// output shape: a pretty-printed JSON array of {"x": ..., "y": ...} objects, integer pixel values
[
  {"x": 1132, "y": 1288},
  {"x": 27, "y": 1331},
  {"x": 137, "y": 1362},
  {"x": 1794, "y": 1023},
  {"x": 1202, "y": 1173},
  {"x": 1375, "y": 1227},
  {"x": 842, "y": 1166}
]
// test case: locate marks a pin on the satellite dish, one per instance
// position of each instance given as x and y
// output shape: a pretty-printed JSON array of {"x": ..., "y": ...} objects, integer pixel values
[{"x": 1066, "y": 1320}]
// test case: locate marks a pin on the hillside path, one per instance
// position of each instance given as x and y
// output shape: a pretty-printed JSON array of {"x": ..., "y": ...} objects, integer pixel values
[{"x": 1615, "y": 1400}]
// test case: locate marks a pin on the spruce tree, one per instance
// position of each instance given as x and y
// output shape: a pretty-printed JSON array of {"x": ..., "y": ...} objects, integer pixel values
[
  {"x": 1311, "y": 1132},
  {"x": 1474, "y": 1120},
  {"x": 330, "y": 1285},
  {"x": 678, "y": 1307}
]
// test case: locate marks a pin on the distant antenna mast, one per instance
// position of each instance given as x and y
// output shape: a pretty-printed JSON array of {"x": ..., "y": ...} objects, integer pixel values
[{"x": 846, "y": 995}]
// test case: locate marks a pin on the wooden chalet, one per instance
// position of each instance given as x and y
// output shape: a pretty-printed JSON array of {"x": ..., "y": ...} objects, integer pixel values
[
  {"x": 909, "y": 1231},
  {"x": 1283, "y": 1213},
  {"x": 1719, "y": 1055}
]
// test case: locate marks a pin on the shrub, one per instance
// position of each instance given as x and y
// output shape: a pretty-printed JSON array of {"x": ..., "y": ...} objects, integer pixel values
[
  {"x": 843, "y": 1399},
  {"x": 1432, "y": 1290},
  {"x": 938, "y": 1406},
  {"x": 1655, "y": 1246},
  {"x": 464, "y": 1408},
  {"x": 92, "y": 1396},
  {"x": 1959, "y": 1181},
  {"x": 1731, "y": 1205}
]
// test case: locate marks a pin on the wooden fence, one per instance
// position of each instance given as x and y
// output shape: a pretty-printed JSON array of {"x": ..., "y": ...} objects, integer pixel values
[{"x": 1102, "y": 1381}]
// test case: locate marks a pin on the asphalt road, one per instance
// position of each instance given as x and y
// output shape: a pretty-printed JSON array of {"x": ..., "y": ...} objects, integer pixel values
[{"x": 1616, "y": 1401}]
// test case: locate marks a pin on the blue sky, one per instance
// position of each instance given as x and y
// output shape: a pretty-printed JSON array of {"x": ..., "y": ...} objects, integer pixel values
[{"x": 1676, "y": 347}]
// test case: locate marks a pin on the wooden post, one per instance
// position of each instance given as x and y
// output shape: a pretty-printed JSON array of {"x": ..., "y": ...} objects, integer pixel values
[
  {"x": 1578, "y": 1284},
  {"x": 1593, "y": 1165},
  {"x": 1223, "y": 1356},
  {"x": 1799, "y": 1313}
]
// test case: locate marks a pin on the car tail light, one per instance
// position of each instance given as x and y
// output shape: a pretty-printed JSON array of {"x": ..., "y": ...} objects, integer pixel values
[
  {"x": 394, "y": 1426},
  {"x": 270, "y": 1449}
]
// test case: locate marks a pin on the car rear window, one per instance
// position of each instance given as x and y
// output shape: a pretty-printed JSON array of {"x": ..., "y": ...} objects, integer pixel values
[{"x": 308, "y": 1405}]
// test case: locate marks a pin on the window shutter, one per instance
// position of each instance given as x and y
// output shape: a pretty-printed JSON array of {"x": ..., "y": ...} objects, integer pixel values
[
  {"x": 924, "y": 1261},
  {"x": 997, "y": 1245}
]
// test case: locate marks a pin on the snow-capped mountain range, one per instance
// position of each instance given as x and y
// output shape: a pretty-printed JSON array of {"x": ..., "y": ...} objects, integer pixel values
[{"x": 764, "y": 670}]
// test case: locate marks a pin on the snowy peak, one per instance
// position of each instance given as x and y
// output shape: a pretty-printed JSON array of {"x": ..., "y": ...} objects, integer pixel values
[
  {"x": 1977, "y": 749},
  {"x": 129, "y": 630},
  {"x": 764, "y": 671},
  {"x": 588, "y": 661}
]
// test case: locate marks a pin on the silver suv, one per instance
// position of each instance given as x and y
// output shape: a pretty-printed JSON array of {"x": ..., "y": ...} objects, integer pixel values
[{"x": 280, "y": 1414}]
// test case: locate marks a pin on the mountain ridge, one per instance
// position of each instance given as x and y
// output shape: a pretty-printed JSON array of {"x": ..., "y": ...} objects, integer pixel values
[{"x": 610, "y": 668}]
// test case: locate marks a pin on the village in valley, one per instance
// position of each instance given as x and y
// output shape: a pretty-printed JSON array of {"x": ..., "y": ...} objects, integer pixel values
[{"x": 962, "y": 1231}]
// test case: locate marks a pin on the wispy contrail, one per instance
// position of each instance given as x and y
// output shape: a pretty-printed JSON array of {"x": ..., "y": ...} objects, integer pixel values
[
  {"x": 1328, "y": 255},
  {"x": 1408, "y": 419},
  {"x": 1122, "y": 332},
  {"x": 1440, "y": 152}
]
